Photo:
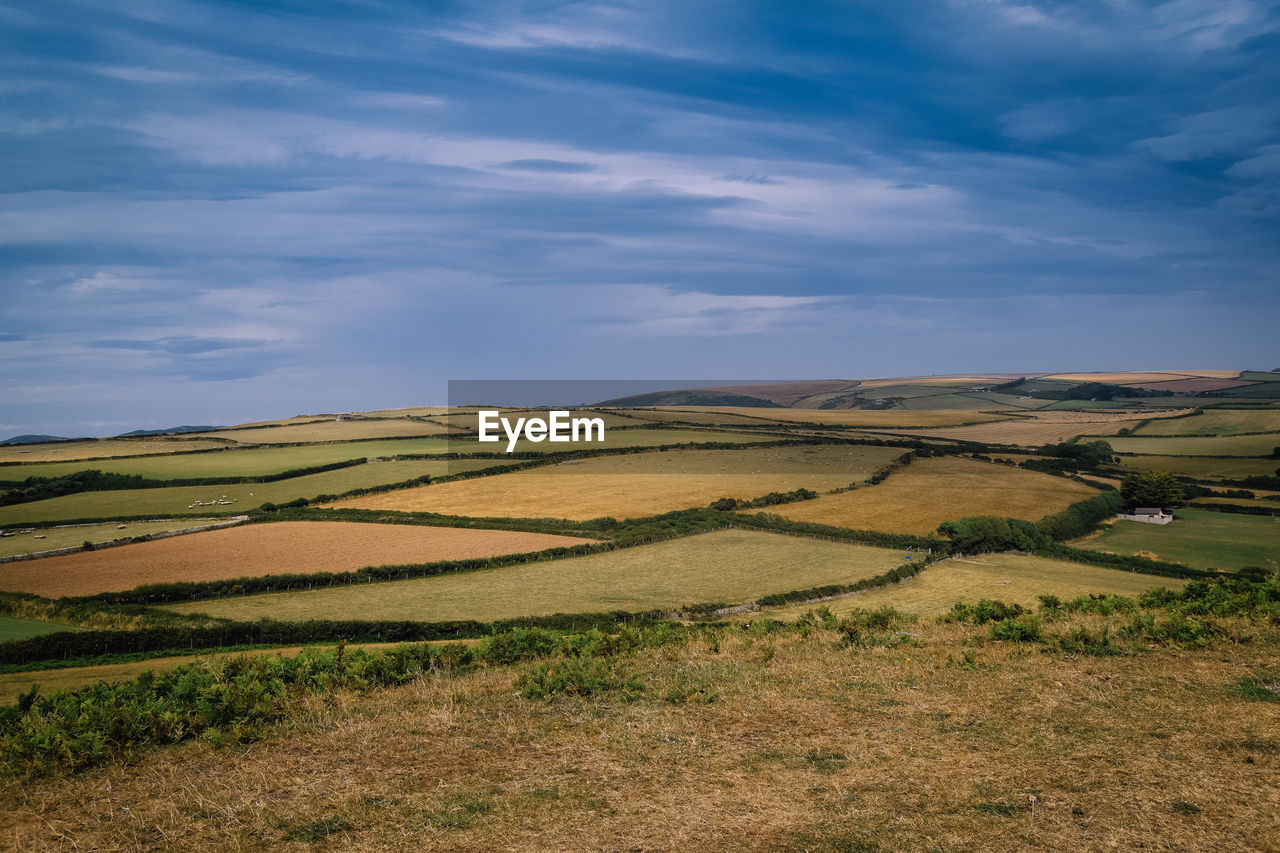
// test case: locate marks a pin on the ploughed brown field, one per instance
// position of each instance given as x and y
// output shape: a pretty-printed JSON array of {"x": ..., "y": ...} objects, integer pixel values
[{"x": 287, "y": 547}]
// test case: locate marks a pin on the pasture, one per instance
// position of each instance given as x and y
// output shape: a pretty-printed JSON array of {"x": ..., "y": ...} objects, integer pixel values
[
  {"x": 919, "y": 497},
  {"x": 235, "y": 462},
  {"x": 1221, "y": 445},
  {"x": 723, "y": 566},
  {"x": 332, "y": 430},
  {"x": 252, "y": 550},
  {"x": 172, "y": 500},
  {"x": 1218, "y": 422},
  {"x": 640, "y": 484},
  {"x": 52, "y": 538},
  {"x": 853, "y": 418},
  {"x": 1199, "y": 538},
  {"x": 100, "y": 448},
  {"x": 1041, "y": 427},
  {"x": 16, "y": 628},
  {"x": 1011, "y": 578},
  {"x": 1228, "y": 467}
]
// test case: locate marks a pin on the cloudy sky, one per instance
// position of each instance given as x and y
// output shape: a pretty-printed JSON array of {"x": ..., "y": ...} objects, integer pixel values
[{"x": 217, "y": 211}]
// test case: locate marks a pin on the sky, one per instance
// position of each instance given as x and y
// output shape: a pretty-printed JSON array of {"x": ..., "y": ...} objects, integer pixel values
[{"x": 214, "y": 212}]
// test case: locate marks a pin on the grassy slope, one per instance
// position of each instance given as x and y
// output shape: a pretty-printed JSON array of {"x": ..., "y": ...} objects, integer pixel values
[
  {"x": 166, "y": 501},
  {"x": 1199, "y": 538},
  {"x": 236, "y": 462},
  {"x": 795, "y": 744},
  {"x": 1228, "y": 445},
  {"x": 729, "y": 566},
  {"x": 15, "y": 628},
  {"x": 1202, "y": 466},
  {"x": 65, "y": 537},
  {"x": 1217, "y": 422},
  {"x": 928, "y": 492},
  {"x": 641, "y": 484},
  {"x": 1015, "y": 578}
]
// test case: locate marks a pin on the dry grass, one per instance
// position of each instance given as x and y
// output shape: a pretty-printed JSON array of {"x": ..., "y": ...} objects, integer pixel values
[
  {"x": 928, "y": 492},
  {"x": 800, "y": 745},
  {"x": 729, "y": 566},
  {"x": 291, "y": 547},
  {"x": 640, "y": 484},
  {"x": 1012, "y": 578}
]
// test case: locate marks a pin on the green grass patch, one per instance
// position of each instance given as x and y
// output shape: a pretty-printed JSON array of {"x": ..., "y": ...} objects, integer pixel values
[
  {"x": 67, "y": 537},
  {"x": 15, "y": 628},
  {"x": 1205, "y": 467},
  {"x": 1222, "y": 445},
  {"x": 244, "y": 497},
  {"x": 1198, "y": 538}
]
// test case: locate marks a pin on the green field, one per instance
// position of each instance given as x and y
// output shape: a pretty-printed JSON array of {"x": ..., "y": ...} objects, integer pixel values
[
  {"x": 1012, "y": 578},
  {"x": 235, "y": 462},
  {"x": 725, "y": 566},
  {"x": 1230, "y": 467},
  {"x": 1217, "y": 422},
  {"x": 1198, "y": 538},
  {"x": 1227, "y": 445},
  {"x": 14, "y": 628},
  {"x": 65, "y": 537},
  {"x": 177, "y": 499}
]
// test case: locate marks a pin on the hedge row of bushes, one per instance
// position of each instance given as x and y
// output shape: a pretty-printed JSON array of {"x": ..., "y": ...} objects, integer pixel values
[
  {"x": 1122, "y": 561},
  {"x": 901, "y": 573}
]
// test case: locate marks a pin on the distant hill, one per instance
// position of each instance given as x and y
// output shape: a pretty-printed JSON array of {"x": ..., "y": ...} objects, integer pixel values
[
  {"x": 169, "y": 431},
  {"x": 33, "y": 439},
  {"x": 692, "y": 397}
]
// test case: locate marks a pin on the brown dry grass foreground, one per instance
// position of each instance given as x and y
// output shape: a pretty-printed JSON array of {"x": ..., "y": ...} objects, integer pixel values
[
  {"x": 285, "y": 547},
  {"x": 794, "y": 744}
]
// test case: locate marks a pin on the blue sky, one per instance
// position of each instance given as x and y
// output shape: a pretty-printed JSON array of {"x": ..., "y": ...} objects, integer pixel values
[{"x": 217, "y": 211}]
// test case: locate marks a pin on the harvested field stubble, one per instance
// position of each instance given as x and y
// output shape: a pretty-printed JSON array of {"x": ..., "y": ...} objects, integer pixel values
[
  {"x": 928, "y": 492},
  {"x": 262, "y": 549},
  {"x": 642, "y": 484}
]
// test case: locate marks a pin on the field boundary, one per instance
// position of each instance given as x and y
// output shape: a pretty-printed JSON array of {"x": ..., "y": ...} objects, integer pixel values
[{"x": 127, "y": 540}]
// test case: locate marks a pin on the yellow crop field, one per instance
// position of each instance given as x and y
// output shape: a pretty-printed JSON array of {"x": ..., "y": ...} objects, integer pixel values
[
  {"x": 640, "y": 484},
  {"x": 1012, "y": 578},
  {"x": 723, "y": 566},
  {"x": 287, "y": 547},
  {"x": 857, "y": 417},
  {"x": 928, "y": 492}
]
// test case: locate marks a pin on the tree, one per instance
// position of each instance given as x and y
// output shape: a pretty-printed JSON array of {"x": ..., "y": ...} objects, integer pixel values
[{"x": 1152, "y": 488}]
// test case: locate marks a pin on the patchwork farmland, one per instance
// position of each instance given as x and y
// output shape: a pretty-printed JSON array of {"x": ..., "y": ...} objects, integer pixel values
[
  {"x": 263, "y": 549},
  {"x": 725, "y": 566},
  {"x": 931, "y": 491},
  {"x": 796, "y": 564}
]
